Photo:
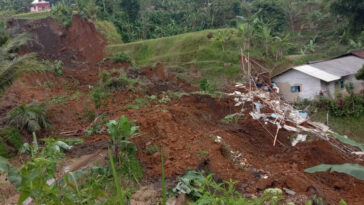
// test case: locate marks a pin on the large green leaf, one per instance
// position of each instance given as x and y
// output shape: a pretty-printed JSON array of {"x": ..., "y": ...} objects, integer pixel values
[
  {"x": 348, "y": 141},
  {"x": 354, "y": 170},
  {"x": 13, "y": 174}
]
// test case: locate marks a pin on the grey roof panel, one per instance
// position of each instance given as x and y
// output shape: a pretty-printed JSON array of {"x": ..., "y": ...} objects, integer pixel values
[{"x": 343, "y": 66}]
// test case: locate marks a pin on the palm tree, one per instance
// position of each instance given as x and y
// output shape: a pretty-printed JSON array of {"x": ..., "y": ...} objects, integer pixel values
[{"x": 11, "y": 65}]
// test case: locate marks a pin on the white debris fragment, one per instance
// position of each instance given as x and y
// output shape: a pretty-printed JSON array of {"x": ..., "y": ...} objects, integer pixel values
[
  {"x": 290, "y": 128},
  {"x": 218, "y": 139},
  {"x": 288, "y": 191},
  {"x": 358, "y": 153},
  {"x": 299, "y": 138},
  {"x": 265, "y": 177},
  {"x": 51, "y": 181}
]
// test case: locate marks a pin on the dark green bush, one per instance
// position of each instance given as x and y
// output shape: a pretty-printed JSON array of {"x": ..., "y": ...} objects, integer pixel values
[
  {"x": 3, "y": 149},
  {"x": 12, "y": 135},
  {"x": 99, "y": 96},
  {"x": 62, "y": 14},
  {"x": 30, "y": 117},
  {"x": 119, "y": 83},
  {"x": 120, "y": 58}
]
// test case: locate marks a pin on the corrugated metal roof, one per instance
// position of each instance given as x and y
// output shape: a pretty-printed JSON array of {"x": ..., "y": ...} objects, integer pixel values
[
  {"x": 343, "y": 66},
  {"x": 317, "y": 73}
]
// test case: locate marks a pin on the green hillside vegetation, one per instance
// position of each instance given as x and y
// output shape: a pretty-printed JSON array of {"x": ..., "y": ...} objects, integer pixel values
[
  {"x": 181, "y": 52},
  {"x": 34, "y": 15}
]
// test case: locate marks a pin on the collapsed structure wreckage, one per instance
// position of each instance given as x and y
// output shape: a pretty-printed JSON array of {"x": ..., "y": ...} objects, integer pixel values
[{"x": 268, "y": 107}]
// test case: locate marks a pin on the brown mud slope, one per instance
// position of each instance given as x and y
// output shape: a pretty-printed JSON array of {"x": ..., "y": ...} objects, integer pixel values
[
  {"x": 188, "y": 129},
  {"x": 79, "y": 42}
]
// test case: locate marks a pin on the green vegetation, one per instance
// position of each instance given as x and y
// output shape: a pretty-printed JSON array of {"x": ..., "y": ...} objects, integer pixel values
[
  {"x": 360, "y": 74},
  {"x": 204, "y": 190},
  {"x": 12, "y": 65},
  {"x": 12, "y": 136},
  {"x": 3, "y": 149},
  {"x": 62, "y": 14},
  {"x": 151, "y": 149},
  {"x": 37, "y": 177},
  {"x": 34, "y": 15},
  {"x": 182, "y": 51},
  {"x": 108, "y": 30},
  {"x": 30, "y": 117},
  {"x": 350, "y": 126},
  {"x": 120, "y": 58},
  {"x": 233, "y": 118},
  {"x": 354, "y": 170},
  {"x": 138, "y": 103},
  {"x": 56, "y": 67},
  {"x": 108, "y": 85}
]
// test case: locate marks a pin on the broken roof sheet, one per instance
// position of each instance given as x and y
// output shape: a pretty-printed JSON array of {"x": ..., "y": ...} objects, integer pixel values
[
  {"x": 343, "y": 66},
  {"x": 317, "y": 73}
]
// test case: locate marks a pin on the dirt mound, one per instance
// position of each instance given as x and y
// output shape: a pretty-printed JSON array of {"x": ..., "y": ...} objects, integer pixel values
[{"x": 80, "y": 42}]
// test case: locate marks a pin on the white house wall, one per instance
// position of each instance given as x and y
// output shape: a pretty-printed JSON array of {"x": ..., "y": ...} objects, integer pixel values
[{"x": 310, "y": 86}]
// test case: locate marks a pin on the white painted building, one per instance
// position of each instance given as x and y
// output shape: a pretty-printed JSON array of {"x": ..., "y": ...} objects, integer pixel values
[
  {"x": 40, "y": 5},
  {"x": 327, "y": 78}
]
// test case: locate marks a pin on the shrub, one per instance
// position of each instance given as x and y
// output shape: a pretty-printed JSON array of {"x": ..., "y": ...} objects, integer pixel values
[
  {"x": 120, "y": 58},
  {"x": 12, "y": 135},
  {"x": 62, "y": 14},
  {"x": 206, "y": 86},
  {"x": 99, "y": 96},
  {"x": 119, "y": 83},
  {"x": 58, "y": 66},
  {"x": 30, "y": 117},
  {"x": 3, "y": 149},
  {"x": 151, "y": 149}
]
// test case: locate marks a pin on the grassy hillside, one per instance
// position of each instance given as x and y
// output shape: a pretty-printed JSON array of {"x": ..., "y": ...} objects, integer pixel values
[
  {"x": 185, "y": 52},
  {"x": 34, "y": 15}
]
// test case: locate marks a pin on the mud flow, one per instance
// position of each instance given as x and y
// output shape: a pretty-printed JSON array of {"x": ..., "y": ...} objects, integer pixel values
[{"x": 188, "y": 128}]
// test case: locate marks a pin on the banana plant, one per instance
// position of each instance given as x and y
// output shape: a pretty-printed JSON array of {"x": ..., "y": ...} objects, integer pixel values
[{"x": 121, "y": 130}]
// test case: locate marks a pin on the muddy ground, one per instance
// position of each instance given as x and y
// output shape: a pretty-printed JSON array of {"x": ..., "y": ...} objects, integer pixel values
[{"x": 186, "y": 128}]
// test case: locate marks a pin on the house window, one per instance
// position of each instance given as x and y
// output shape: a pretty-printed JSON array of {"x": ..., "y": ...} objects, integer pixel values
[
  {"x": 296, "y": 89},
  {"x": 342, "y": 85}
]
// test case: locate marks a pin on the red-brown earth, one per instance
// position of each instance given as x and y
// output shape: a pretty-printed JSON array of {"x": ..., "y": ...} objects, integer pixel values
[{"x": 185, "y": 129}]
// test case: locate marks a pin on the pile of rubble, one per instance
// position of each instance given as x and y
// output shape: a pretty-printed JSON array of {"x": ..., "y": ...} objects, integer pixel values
[{"x": 268, "y": 108}]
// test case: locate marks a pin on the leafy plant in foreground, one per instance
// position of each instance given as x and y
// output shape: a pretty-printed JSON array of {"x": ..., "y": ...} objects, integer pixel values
[
  {"x": 354, "y": 170},
  {"x": 121, "y": 130},
  {"x": 31, "y": 117},
  {"x": 204, "y": 190},
  {"x": 37, "y": 177}
]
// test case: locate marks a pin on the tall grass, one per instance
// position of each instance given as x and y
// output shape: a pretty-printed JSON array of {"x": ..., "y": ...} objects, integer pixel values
[
  {"x": 350, "y": 126},
  {"x": 120, "y": 194},
  {"x": 164, "y": 198}
]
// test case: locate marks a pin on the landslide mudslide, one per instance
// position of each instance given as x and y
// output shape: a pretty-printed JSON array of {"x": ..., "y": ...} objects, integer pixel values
[{"x": 80, "y": 42}]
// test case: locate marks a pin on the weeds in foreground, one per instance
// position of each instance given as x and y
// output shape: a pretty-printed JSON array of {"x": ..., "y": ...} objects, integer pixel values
[
  {"x": 164, "y": 197},
  {"x": 204, "y": 190}
]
